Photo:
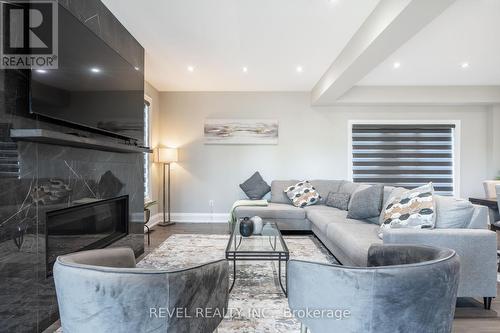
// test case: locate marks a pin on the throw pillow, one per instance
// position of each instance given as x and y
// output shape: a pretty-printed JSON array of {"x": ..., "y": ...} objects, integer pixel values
[
  {"x": 413, "y": 209},
  {"x": 452, "y": 212},
  {"x": 366, "y": 203},
  {"x": 302, "y": 194},
  {"x": 338, "y": 200},
  {"x": 255, "y": 187}
]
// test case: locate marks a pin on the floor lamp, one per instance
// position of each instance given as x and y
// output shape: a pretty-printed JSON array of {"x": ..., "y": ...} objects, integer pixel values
[{"x": 166, "y": 156}]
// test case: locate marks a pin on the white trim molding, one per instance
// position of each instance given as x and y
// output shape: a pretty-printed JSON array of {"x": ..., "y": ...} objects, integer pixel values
[{"x": 191, "y": 218}]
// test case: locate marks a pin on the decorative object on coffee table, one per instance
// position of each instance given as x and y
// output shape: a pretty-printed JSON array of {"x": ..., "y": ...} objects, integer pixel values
[
  {"x": 246, "y": 227},
  {"x": 166, "y": 156},
  {"x": 257, "y": 225}
]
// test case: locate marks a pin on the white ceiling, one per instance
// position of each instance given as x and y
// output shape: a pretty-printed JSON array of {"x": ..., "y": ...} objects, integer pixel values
[
  {"x": 219, "y": 37},
  {"x": 468, "y": 31}
]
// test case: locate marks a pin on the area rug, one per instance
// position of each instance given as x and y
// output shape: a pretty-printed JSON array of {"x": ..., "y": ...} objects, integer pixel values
[{"x": 256, "y": 304}]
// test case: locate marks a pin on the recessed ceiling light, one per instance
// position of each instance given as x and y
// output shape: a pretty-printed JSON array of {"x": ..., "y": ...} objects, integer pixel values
[
  {"x": 396, "y": 65},
  {"x": 190, "y": 69},
  {"x": 41, "y": 71},
  {"x": 465, "y": 65},
  {"x": 244, "y": 69},
  {"x": 95, "y": 70},
  {"x": 299, "y": 69}
]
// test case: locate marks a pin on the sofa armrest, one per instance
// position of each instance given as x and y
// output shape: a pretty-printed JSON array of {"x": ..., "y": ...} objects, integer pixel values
[{"x": 477, "y": 249}]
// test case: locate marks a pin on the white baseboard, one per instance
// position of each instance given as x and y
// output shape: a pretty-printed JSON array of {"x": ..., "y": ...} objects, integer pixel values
[{"x": 190, "y": 218}]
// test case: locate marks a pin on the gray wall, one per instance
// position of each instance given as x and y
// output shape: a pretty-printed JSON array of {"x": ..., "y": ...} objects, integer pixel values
[{"x": 313, "y": 142}]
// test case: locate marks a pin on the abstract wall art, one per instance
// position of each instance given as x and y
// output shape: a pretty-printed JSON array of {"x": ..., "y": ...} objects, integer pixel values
[{"x": 241, "y": 131}]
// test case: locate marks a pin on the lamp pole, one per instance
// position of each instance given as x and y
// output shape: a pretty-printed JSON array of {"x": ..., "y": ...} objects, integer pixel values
[{"x": 166, "y": 222}]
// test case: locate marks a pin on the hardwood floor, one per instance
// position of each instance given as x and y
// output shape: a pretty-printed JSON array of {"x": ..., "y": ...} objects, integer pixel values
[{"x": 476, "y": 323}]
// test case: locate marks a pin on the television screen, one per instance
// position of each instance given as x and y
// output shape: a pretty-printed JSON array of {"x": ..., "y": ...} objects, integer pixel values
[{"x": 93, "y": 87}]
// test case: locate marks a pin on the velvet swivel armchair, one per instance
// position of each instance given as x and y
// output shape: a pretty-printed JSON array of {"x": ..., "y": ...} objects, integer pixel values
[
  {"x": 103, "y": 291},
  {"x": 404, "y": 289}
]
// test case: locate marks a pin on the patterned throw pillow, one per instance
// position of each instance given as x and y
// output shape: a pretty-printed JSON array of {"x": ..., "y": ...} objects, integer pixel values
[
  {"x": 413, "y": 209},
  {"x": 302, "y": 194}
]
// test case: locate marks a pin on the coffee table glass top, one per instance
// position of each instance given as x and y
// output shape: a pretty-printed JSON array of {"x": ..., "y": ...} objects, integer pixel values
[{"x": 268, "y": 243}]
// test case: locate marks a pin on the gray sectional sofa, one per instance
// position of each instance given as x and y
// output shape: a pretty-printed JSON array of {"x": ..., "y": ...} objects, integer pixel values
[{"x": 349, "y": 239}]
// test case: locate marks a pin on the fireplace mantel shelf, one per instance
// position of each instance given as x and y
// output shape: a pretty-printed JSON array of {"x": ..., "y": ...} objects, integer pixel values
[{"x": 63, "y": 139}]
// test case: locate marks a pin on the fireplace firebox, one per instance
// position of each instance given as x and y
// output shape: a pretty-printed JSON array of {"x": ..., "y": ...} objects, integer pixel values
[{"x": 87, "y": 226}]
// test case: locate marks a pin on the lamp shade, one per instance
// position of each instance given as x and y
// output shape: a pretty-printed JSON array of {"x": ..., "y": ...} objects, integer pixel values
[{"x": 167, "y": 155}]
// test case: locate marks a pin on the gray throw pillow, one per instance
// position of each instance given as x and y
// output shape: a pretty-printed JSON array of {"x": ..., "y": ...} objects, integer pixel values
[
  {"x": 338, "y": 200},
  {"x": 255, "y": 187},
  {"x": 366, "y": 203}
]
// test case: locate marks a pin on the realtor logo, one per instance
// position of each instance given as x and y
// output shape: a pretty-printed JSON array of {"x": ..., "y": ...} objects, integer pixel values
[{"x": 29, "y": 35}]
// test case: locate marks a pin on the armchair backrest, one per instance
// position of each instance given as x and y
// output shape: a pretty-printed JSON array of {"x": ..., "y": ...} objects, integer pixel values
[
  {"x": 418, "y": 297},
  {"x": 102, "y": 291}
]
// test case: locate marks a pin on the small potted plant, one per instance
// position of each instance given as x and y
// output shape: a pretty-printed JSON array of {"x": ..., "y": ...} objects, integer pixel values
[{"x": 147, "y": 212}]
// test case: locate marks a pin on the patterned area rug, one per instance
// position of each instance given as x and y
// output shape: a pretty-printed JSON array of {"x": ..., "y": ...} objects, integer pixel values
[{"x": 256, "y": 303}]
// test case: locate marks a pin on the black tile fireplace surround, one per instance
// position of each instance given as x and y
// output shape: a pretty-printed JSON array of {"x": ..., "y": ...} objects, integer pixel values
[{"x": 38, "y": 178}]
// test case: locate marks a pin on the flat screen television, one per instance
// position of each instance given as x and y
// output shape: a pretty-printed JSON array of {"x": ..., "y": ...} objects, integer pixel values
[{"x": 94, "y": 87}]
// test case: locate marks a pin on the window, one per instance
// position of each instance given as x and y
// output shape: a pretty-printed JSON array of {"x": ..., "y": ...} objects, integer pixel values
[
  {"x": 406, "y": 155},
  {"x": 147, "y": 142}
]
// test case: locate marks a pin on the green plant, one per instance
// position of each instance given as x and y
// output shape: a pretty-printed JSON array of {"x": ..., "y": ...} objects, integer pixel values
[{"x": 149, "y": 204}]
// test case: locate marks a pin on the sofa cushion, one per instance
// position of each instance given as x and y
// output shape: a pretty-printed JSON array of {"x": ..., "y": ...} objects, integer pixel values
[
  {"x": 452, "y": 212},
  {"x": 322, "y": 217},
  {"x": 271, "y": 211},
  {"x": 348, "y": 187},
  {"x": 302, "y": 194},
  {"x": 354, "y": 239},
  {"x": 277, "y": 190},
  {"x": 366, "y": 203},
  {"x": 325, "y": 186},
  {"x": 255, "y": 187}
]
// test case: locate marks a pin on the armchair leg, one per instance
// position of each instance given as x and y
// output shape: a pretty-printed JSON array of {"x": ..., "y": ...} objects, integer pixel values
[
  {"x": 303, "y": 328},
  {"x": 487, "y": 302}
]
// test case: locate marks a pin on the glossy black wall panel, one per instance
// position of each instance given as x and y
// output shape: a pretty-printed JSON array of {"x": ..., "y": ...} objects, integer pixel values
[{"x": 36, "y": 178}]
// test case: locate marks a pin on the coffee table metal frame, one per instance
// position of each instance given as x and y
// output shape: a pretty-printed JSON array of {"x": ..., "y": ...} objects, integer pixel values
[{"x": 234, "y": 255}]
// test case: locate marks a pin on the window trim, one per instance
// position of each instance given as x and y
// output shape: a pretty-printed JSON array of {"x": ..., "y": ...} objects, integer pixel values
[
  {"x": 148, "y": 144},
  {"x": 456, "y": 143}
]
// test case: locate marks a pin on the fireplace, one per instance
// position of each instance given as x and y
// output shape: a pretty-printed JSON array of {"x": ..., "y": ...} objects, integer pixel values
[{"x": 87, "y": 226}]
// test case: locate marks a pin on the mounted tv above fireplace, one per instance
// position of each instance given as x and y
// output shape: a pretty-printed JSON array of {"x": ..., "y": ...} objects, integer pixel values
[
  {"x": 88, "y": 226},
  {"x": 94, "y": 88}
]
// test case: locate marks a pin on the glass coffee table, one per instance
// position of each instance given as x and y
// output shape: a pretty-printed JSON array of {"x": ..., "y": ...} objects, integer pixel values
[{"x": 269, "y": 245}]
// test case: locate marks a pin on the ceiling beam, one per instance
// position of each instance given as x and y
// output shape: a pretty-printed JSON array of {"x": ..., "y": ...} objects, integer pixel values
[
  {"x": 388, "y": 27},
  {"x": 420, "y": 95}
]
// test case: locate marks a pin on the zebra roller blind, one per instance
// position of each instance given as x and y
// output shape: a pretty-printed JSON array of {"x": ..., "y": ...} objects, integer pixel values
[{"x": 404, "y": 155}]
